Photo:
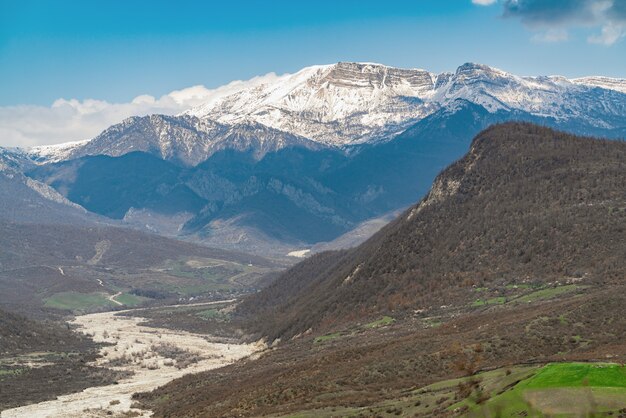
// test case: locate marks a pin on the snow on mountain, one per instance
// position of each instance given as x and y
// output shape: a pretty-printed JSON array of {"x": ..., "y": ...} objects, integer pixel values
[
  {"x": 351, "y": 103},
  {"x": 184, "y": 139},
  {"x": 55, "y": 153},
  {"x": 12, "y": 159},
  {"x": 13, "y": 163},
  {"x": 617, "y": 84},
  {"x": 341, "y": 104},
  {"x": 554, "y": 96},
  {"x": 345, "y": 104}
]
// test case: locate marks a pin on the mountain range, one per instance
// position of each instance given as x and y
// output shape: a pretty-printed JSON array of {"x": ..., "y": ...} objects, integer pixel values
[
  {"x": 347, "y": 104},
  {"x": 307, "y": 157}
]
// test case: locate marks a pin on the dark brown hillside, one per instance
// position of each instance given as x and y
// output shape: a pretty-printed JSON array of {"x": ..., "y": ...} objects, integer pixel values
[
  {"x": 19, "y": 335},
  {"x": 526, "y": 204},
  {"x": 360, "y": 366},
  {"x": 28, "y": 244},
  {"x": 516, "y": 256}
]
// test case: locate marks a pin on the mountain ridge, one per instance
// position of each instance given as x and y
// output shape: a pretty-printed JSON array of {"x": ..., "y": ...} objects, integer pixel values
[
  {"x": 344, "y": 105},
  {"x": 504, "y": 214}
]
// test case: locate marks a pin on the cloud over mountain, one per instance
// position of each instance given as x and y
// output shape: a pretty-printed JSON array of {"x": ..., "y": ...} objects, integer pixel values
[
  {"x": 557, "y": 16},
  {"x": 72, "y": 120}
]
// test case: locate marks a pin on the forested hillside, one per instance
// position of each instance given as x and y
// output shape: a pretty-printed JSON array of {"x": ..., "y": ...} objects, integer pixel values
[{"x": 527, "y": 204}]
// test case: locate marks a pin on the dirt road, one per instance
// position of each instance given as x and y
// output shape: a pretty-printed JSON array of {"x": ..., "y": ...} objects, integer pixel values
[{"x": 112, "y": 299}]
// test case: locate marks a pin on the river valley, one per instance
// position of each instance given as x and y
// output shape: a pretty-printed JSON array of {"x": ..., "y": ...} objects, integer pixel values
[{"x": 153, "y": 356}]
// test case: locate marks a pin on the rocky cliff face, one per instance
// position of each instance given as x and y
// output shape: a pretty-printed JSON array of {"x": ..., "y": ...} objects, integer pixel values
[{"x": 341, "y": 104}]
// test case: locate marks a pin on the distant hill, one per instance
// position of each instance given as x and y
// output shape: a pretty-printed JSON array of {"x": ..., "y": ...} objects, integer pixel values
[
  {"x": 58, "y": 257},
  {"x": 526, "y": 204},
  {"x": 288, "y": 199},
  {"x": 65, "y": 268}
]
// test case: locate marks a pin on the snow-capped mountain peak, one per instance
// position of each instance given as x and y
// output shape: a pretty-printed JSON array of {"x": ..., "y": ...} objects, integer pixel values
[
  {"x": 13, "y": 163},
  {"x": 339, "y": 104},
  {"x": 351, "y": 103},
  {"x": 345, "y": 104}
]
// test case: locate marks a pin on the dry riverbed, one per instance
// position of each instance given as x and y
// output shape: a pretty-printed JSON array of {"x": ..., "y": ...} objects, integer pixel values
[{"x": 154, "y": 355}]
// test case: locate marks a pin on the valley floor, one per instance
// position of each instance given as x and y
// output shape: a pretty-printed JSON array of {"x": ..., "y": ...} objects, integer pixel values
[{"x": 154, "y": 356}]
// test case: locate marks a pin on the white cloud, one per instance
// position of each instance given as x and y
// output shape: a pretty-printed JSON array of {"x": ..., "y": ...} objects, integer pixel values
[
  {"x": 73, "y": 120},
  {"x": 610, "y": 34},
  {"x": 551, "y": 19},
  {"x": 551, "y": 35},
  {"x": 484, "y": 2}
]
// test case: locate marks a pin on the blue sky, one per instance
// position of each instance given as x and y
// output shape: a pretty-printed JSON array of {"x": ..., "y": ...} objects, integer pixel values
[
  {"x": 69, "y": 69},
  {"x": 116, "y": 50}
]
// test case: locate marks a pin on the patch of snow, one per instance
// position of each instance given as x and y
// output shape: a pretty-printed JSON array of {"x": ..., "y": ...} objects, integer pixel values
[
  {"x": 299, "y": 253},
  {"x": 349, "y": 278},
  {"x": 54, "y": 153},
  {"x": 49, "y": 193},
  {"x": 608, "y": 83},
  {"x": 352, "y": 103},
  {"x": 338, "y": 104}
]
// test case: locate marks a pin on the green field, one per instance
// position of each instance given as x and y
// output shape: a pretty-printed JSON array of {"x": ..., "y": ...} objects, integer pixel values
[
  {"x": 215, "y": 314},
  {"x": 327, "y": 337},
  {"x": 79, "y": 302},
  {"x": 382, "y": 322},
  {"x": 385, "y": 320},
  {"x": 131, "y": 300},
  {"x": 216, "y": 273},
  {"x": 493, "y": 301},
  {"x": 579, "y": 374},
  {"x": 548, "y": 293},
  {"x": 561, "y": 389},
  {"x": 90, "y": 302},
  {"x": 190, "y": 277},
  {"x": 10, "y": 372},
  {"x": 537, "y": 294},
  {"x": 555, "y": 390}
]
